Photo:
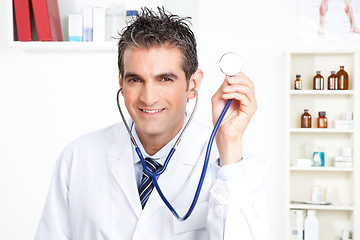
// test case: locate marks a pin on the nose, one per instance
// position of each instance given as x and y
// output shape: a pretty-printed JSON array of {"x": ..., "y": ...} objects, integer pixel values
[{"x": 149, "y": 94}]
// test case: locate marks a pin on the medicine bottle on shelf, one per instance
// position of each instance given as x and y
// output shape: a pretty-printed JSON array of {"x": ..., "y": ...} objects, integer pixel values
[
  {"x": 298, "y": 83},
  {"x": 306, "y": 119},
  {"x": 332, "y": 81},
  {"x": 322, "y": 121},
  {"x": 343, "y": 79},
  {"x": 318, "y": 81}
]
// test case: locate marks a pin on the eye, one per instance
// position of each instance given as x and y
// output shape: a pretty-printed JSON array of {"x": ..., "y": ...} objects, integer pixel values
[
  {"x": 165, "y": 79},
  {"x": 130, "y": 80}
]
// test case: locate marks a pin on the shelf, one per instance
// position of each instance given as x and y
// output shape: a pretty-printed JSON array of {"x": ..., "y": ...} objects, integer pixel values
[
  {"x": 65, "y": 46},
  {"x": 320, "y": 130},
  {"x": 321, "y": 48},
  {"x": 322, "y": 92},
  {"x": 321, "y": 207},
  {"x": 322, "y": 169}
]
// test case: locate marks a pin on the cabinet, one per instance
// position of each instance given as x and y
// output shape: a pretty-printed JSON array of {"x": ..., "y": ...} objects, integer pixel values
[{"x": 344, "y": 182}]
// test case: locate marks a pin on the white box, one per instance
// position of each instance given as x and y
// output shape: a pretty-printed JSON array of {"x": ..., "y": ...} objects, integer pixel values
[
  {"x": 75, "y": 28},
  {"x": 346, "y": 151},
  {"x": 338, "y": 161},
  {"x": 302, "y": 162},
  {"x": 88, "y": 24},
  {"x": 99, "y": 24}
]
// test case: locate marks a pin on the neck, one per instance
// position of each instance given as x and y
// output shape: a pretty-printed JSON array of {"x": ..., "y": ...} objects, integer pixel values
[{"x": 153, "y": 143}]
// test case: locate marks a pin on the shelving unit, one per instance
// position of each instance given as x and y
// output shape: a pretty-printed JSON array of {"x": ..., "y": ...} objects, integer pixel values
[
  {"x": 67, "y": 7},
  {"x": 344, "y": 214},
  {"x": 39, "y": 46}
]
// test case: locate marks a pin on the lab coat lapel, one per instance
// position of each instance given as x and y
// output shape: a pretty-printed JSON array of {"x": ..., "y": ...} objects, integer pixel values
[
  {"x": 170, "y": 182},
  {"x": 120, "y": 162}
]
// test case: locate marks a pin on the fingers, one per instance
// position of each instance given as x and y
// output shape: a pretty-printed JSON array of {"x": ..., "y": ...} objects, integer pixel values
[
  {"x": 241, "y": 89},
  {"x": 238, "y": 85},
  {"x": 240, "y": 79}
]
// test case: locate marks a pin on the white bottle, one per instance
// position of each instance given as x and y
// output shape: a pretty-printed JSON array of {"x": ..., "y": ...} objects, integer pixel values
[
  {"x": 316, "y": 195},
  {"x": 328, "y": 195},
  {"x": 297, "y": 224},
  {"x": 115, "y": 21},
  {"x": 311, "y": 226}
]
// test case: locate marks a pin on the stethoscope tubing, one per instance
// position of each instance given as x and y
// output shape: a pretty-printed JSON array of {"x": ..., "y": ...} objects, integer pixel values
[
  {"x": 154, "y": 175},
  {"x": 203, "y": 173}
]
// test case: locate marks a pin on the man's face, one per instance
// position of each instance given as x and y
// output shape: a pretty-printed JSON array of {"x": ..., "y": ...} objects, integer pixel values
[{"x": 155, "y": 90}]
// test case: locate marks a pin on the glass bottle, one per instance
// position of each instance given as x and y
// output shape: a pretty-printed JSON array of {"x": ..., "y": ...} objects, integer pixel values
[
  {"x": 298, "y": 83},
  {"x": 306, "y": 119},
  {"x": 322, "y": 120},
  {"x": 318, "y": 81},
  {"x": 332, "y": 81},
  {"x": 343, "y": 79}
]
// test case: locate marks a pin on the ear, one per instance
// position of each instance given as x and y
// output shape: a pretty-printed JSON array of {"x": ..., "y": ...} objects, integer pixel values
[
  {"x": 195, "y": 82},
  {"x": 120, "y": 83},
  {"x": 120, "y": 80}
]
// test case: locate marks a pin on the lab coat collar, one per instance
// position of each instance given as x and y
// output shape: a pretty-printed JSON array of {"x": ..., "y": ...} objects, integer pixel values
[{"x": 122, "y": 168}]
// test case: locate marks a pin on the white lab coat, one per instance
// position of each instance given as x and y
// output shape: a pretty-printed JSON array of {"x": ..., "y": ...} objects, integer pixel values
[{"x": 93, "y": 194}]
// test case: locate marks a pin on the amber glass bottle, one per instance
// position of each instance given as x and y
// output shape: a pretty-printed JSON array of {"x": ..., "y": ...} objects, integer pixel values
[
  {"x": 343, "y": 79},
  {"x": 298, "y": 83},
  {"x": 332, "y": 81},
  {"x": 322, "y": 120},
  {"x": 306, "y": 119},
  {"x": 318, "y": 81}
]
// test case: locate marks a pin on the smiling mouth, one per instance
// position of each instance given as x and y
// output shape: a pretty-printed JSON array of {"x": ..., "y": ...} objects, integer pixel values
[{"x": 152, "y": 111}]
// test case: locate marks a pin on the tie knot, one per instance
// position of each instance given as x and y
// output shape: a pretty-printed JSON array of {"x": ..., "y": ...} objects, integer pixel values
[{"x": 152, "y": 164}]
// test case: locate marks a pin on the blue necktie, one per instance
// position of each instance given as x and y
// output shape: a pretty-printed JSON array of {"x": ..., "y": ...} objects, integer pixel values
[{"x": 146, "y": 184}]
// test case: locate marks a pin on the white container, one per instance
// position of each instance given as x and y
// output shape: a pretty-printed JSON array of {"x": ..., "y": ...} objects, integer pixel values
[
  {"x": 311, "y": 226},
  {"x": 338, "y": 161},
  {"x": 328, "y": 194},
  {"x": 130, "y": 16},
  {"x": 75, "y": 28},
  {"x": 302, "y": 162},
  {"x": 316, "y": 195},
  {"x": 98, "y": 24},
  {"x": 115, "y": 21},
  {"x": 87, "y": 24},
  {"x": 346, "y": 151},
  {"x": 297, "y": 224}
]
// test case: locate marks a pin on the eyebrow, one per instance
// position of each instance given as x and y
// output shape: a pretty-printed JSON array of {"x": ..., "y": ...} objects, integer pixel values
[
  {"x": 131, "y": 75},
  {"x": 170, "y": 75},
  {"x": 161, "y": 75}
]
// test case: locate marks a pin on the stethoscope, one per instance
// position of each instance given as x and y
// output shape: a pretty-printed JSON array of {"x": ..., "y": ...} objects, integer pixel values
[{"x": 230, "y": 64}]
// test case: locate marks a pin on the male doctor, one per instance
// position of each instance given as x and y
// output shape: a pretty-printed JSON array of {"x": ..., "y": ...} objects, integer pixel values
[{"x": 98, "y": 178}]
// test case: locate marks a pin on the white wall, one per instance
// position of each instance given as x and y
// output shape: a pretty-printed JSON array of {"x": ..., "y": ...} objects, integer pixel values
[{"x": 49, "y": 98}]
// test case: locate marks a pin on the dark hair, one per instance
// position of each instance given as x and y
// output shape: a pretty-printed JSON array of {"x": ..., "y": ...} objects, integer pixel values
[{"x": 151, "y": 29}]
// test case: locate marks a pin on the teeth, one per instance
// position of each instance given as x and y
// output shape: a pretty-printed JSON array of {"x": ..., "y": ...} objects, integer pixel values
[{"x": 152, "y": 111}]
